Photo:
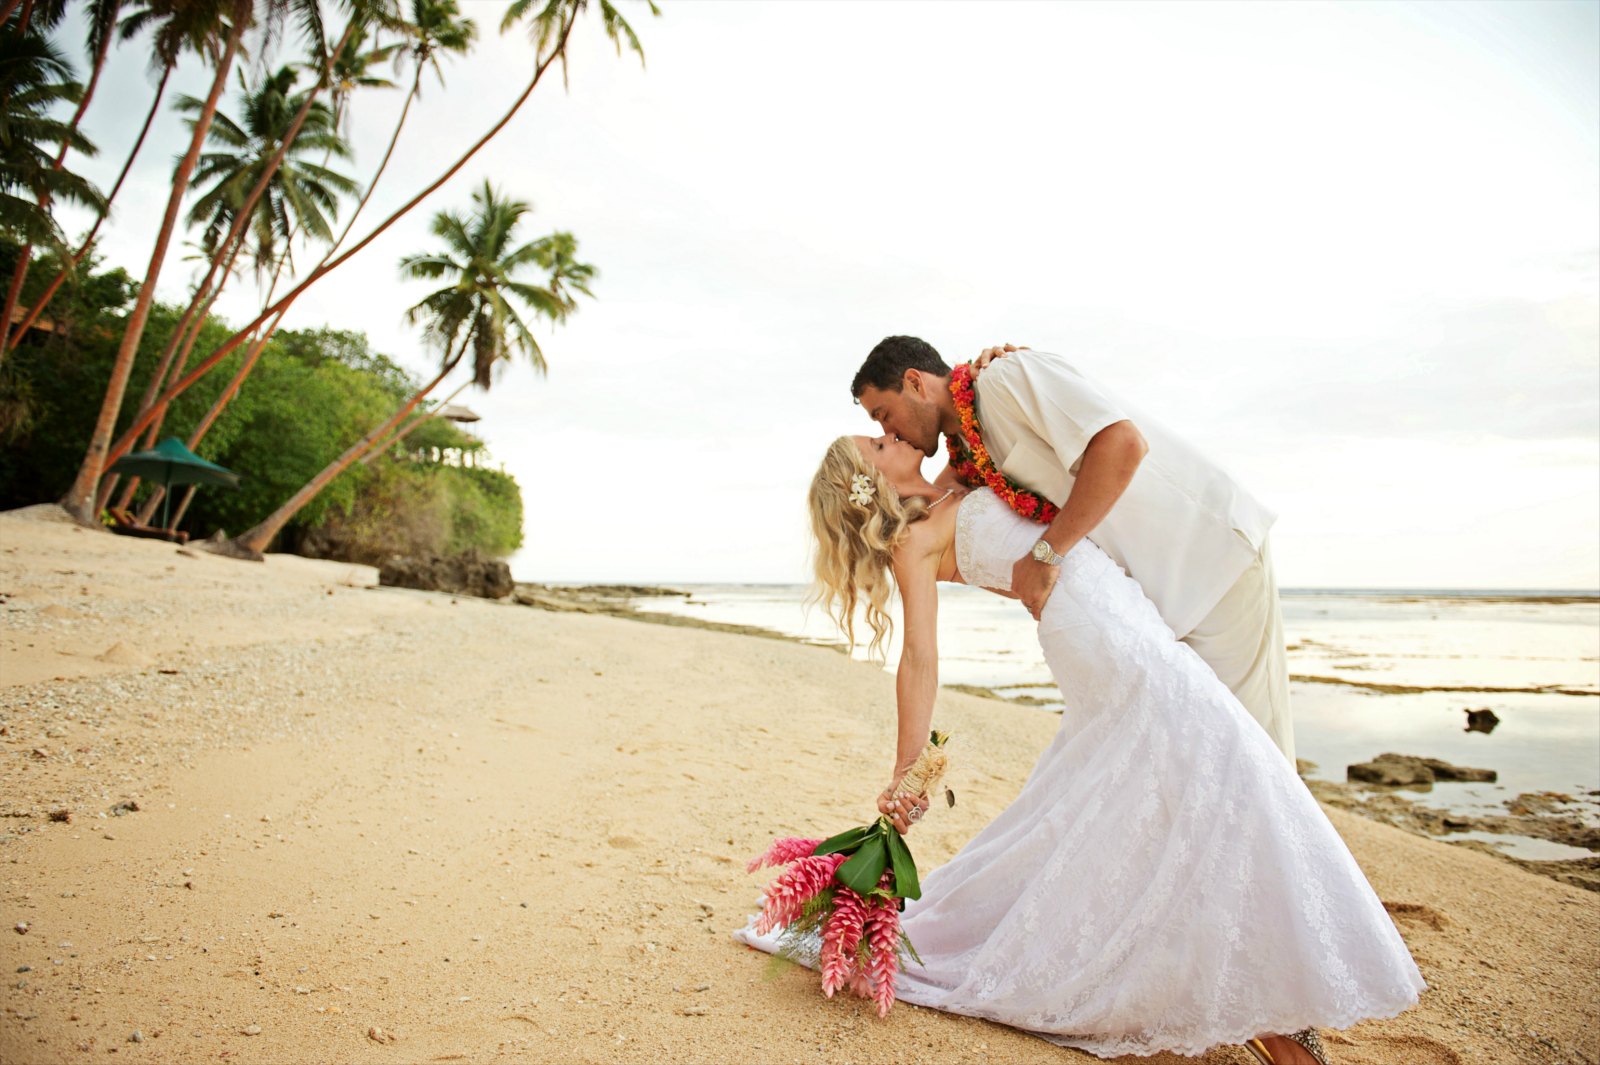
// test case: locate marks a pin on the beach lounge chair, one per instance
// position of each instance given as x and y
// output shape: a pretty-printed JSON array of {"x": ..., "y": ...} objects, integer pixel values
[{"x": 125, "y": 524}]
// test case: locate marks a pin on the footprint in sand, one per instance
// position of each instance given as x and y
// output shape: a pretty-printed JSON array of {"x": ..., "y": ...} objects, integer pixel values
[
  {"x": 1393, "y": 1049},
  {"x": 1412, "y": 913}
]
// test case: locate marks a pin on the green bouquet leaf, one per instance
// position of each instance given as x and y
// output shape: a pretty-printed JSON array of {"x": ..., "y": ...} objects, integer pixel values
[
  {"x": 865, "y": 867},
  {"x": 906, "y": 885}
]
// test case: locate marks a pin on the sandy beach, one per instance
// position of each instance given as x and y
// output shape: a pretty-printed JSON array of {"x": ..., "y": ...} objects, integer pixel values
[{"x": 271, "y": 813}]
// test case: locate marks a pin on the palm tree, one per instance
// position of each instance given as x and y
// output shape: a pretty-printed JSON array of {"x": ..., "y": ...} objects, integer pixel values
[
  {"x": 550, "y": 23},
  {"x": 552, "y": 28},
  {"x": 36, "y": 16},
  {"x": 299, "y": 198},
  {"x": 435, "y": 30},
  {"x": 299, "y": 195},
  {"x": 130, "y": 28},
  {"x": 477, "y": 312},
  {"x": 102, "y": 27},
  {"x": 184, "y": 22},
  {"x": 81, "y": 497},
  {"x": 351, "y": 69},
  {"x": 34, "y": 78},
  {"x": 478, "y": 306}
]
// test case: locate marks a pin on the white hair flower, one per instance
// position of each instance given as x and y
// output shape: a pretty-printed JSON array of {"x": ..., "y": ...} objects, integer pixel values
[{"x": 862, "y": 490}]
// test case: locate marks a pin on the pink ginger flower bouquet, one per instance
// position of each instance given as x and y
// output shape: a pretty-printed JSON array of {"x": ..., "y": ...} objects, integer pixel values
[
  {"x": 862, "y": 948},
  {"x": 840, "y": 898}
]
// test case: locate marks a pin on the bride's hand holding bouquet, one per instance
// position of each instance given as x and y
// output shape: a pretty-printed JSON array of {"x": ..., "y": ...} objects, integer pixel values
[{"x": 840, "y": 897}]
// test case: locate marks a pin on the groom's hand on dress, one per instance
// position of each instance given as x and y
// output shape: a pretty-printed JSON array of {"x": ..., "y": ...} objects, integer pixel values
[{"x": 1033, "y": 581}]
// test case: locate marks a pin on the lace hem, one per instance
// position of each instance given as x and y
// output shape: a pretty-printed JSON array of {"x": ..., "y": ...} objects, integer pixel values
[
  {"x": 1190, "y": 1044},
  {"x": 1233, "y": 1035}
]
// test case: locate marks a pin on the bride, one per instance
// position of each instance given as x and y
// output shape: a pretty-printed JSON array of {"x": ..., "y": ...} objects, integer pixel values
[{"x": 1164, "y": 881}]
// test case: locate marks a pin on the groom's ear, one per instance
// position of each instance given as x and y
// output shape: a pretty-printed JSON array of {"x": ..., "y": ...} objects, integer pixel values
[{"x": 912, "y": 381}]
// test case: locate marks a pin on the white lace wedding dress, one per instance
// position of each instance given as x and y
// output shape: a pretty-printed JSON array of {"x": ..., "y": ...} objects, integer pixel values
[{"x": 1164, "y": 881}]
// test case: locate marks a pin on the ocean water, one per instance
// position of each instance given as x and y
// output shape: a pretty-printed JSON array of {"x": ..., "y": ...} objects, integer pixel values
[{"x": 1543, "y": 656}]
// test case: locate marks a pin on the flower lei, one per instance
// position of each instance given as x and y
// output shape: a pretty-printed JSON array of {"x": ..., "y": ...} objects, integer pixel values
[{"x": 971, "y": 461}]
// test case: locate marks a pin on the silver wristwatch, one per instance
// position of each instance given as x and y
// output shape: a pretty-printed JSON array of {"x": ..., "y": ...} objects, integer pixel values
[{"x": 1043, "y": 552}]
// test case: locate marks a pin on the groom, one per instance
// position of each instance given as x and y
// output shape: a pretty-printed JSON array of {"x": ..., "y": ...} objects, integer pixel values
[{"x": 1176, "y": 522}]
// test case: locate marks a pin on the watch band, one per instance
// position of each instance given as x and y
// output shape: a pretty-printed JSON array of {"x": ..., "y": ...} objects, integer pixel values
[{"x": 1048, "y": 556}]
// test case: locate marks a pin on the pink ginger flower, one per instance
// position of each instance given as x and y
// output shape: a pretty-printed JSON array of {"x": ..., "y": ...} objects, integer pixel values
[
  {"x": 840, "y": 938},
  {"x": 783, "y": 851},
  {"x": 859, "y": 985},
  {"x": 883, "y": 941},
  {"x": 787, "y": 895}
]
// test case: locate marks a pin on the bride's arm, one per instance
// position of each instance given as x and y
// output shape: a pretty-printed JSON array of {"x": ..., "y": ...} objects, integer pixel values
[{"x": 916, "y": 681}]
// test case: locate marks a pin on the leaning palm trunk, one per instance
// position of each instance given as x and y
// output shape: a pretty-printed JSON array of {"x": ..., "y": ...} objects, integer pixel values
[
  {"x": 227, "y": 251},
  {"x": 20, "y": 273},
  {"x": 253, "y": 543},
  {"x": 184, "y": 334},
  {"x": 83, "y": 248},
  {"x": 126, "y": 441},
  {"x": 260, "y": 341},
  {"x": 79, "y": 500},
  {"x": 205, "y": 424},
  {"x": 189, "y": 324},
  {"x": 218, "y": 406},
  {"x": 414, "y": 424},
  {"x": 365, "y": 460},
  {"x": 157, "y": 409}
]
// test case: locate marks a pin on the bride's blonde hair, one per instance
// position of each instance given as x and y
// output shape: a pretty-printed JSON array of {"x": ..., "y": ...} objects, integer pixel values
[{"x": 856, "y": 541}]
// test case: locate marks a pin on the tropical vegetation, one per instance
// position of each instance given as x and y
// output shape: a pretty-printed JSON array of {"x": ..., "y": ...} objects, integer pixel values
[
  {"x": 269, "y": 192},
  {"x": 434, "y": 491}
]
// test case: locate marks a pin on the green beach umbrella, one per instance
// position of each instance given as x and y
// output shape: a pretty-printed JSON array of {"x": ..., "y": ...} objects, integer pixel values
[{"x": 170, "y": 463}]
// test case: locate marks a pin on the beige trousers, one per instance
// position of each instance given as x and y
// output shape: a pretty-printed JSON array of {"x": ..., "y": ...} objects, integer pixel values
[{"x": 1242, "y": 639}]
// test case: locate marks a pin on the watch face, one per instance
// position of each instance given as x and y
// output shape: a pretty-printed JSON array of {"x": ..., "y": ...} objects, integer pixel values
[{"x": 1041, "y": 551}]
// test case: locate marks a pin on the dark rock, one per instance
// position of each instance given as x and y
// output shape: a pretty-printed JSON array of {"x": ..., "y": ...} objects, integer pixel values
[
  {"x": 1539, "y": 802},
  {"x": 528, "y": 595},
  {"x": 1483, "y": 720},
  {"x": 468, "y": 574},
  {"x": 1390, "y": 773},
  {"x": 1579, "y": 872},
  {"x": 1446, "y": 771},
  {"x": 1393, "y": 808},
  {"x": 626, "y": 591},
  {"x": 1405, "y": 770}
]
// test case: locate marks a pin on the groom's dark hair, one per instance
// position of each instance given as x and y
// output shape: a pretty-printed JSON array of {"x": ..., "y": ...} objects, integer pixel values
[{"x": 886, "y": 366}]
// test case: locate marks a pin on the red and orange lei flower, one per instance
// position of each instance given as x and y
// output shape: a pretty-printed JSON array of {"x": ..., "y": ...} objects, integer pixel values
[{"x": 973, "y": 464}]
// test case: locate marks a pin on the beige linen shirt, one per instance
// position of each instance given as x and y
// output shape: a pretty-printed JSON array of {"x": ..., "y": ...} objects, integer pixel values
[{"x": 1184, "y": 529}]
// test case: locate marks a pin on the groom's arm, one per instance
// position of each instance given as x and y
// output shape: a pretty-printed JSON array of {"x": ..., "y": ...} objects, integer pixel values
[
  {"x": 1090, "y": 435},
  {"x": 1108, "y": 466}
]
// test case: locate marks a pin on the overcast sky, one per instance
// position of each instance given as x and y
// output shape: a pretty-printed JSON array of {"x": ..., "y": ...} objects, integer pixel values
[{"x": 1350, "y": 250}]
